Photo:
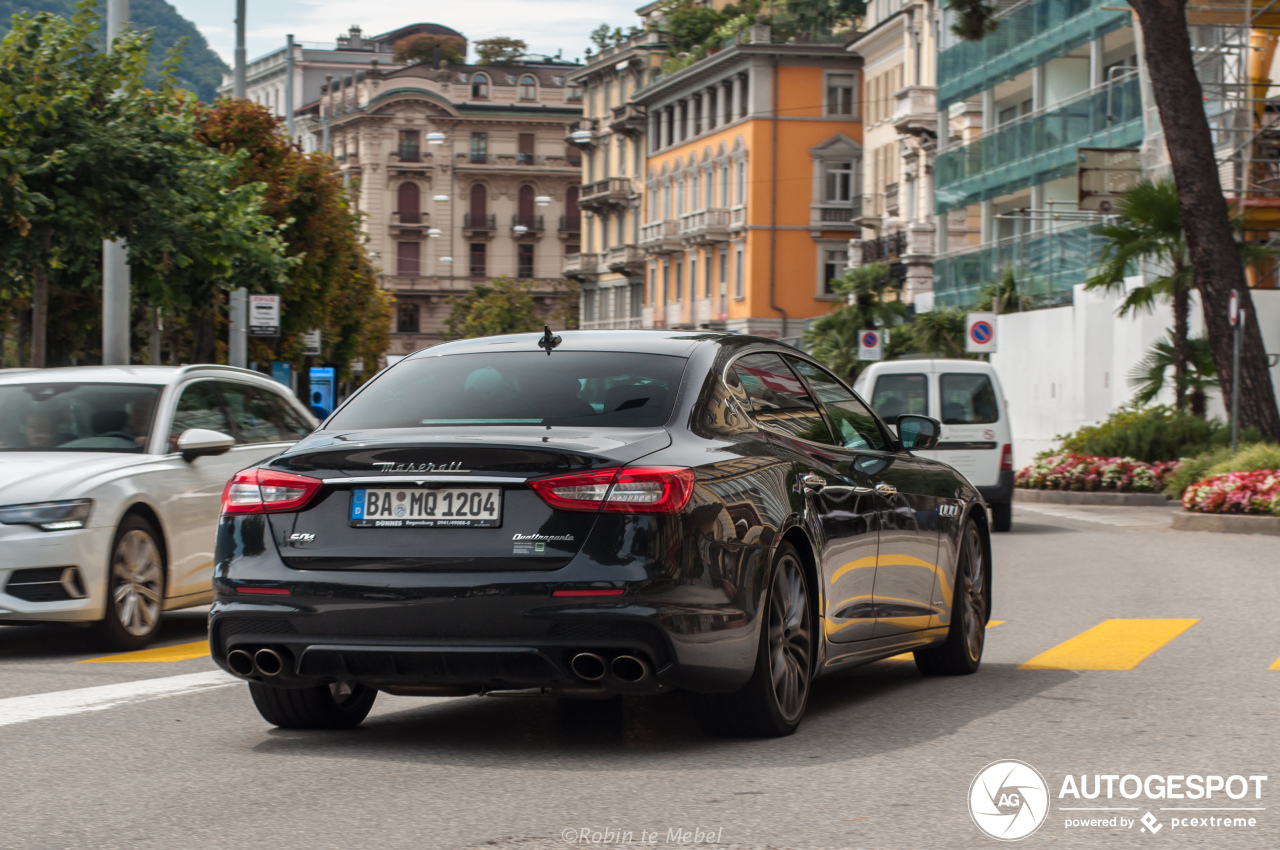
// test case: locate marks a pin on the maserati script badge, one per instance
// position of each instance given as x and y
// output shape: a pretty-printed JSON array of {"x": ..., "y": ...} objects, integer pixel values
[{"x": 388, "y": 466}]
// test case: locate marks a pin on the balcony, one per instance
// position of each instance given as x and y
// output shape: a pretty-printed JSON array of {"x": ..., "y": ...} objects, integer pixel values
[
  {"x": 886, "y": 249},
  {"x": 1046, "y": 265},
  {"x": 532, "y": 224},
  {"x": 612, "y": 191},
  {"x": 629, "y": 119},
  {"x": 661, "y": 237},
  {"x": 916, "y": 112},
  {"x": 1031, "y": 34},
  {"x": 1040, "y": 146},
  {"x": 626, "y": 259},
  {"x": 582, "y": 133},
  {"x": 845, "y": 217},
  {"x": 581, "y": 265},
  {"x": 480, "y": 223},
  {"x": 891, "y": 206},
  {"x": 705, "y": 226},
  {"x": 409, "y": 154},
  {"x": 409, "y": 220},
  {"x": 570, "y": 225}
]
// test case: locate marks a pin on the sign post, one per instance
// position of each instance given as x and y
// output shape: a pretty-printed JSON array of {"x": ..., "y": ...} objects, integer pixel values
[
  {"x": 871, "y": 345},
  {"x": 980, "y": 333},
  {"x": 264, "y": 315},
  {"x": 1236, "y": 316}
]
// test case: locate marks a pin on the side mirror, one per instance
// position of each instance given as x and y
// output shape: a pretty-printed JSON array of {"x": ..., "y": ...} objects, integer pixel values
[
  {"x": 197, "y": 442},
  {"x": 917, "y": 433}
]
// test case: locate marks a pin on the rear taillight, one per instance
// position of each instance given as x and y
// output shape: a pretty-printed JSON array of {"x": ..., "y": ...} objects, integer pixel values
[
  {"x": 634, "y": 490},
  {"x": 1006, "y": 457},
  {"x": 266, "y": 491}
]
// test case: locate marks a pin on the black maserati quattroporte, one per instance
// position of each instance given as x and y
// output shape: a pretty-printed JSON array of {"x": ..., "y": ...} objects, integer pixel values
[{"x": 610, "y": 512}]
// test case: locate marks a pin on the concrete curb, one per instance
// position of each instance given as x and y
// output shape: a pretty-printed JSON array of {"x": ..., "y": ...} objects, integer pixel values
[
  {"x": 1079, "y": 497},
  {"x": 1226, "y": 523}
]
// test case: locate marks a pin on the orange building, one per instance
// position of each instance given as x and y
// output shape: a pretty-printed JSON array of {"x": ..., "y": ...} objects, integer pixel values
[{"x": 752, "y": 186}]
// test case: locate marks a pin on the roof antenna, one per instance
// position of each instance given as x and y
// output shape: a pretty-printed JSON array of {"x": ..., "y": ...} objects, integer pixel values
[{"x": 549, "y": 340}]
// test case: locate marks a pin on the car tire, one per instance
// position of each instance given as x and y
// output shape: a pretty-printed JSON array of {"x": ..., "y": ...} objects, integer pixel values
[
  {"x": 773, "y": 702},
  {"x": 336, "y": 706},
  {"x": 1002, "y": 517},
  {"x": 961, "y": 652},
  {"x": 135, "y": 586}
]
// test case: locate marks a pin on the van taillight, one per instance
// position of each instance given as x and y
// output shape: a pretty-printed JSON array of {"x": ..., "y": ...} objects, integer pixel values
[{"x": 1006, "y": 457}]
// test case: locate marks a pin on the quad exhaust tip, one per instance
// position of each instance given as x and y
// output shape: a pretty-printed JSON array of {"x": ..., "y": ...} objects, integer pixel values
[
  {"x": 630, "y": 669},
  {"x": 588, "y": 666},
  {"x": 240, "y": 662},
  {"x": 268, "y": 662}
]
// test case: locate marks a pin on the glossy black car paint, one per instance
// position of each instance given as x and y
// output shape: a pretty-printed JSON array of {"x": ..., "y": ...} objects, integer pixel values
[{"x": 435, "y": 609}]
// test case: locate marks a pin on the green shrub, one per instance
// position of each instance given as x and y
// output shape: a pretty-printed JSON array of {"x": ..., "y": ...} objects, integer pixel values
[
  {"x": 1250, "y": 458},
  {"x": 1149, "y": 434},
  {"x": 1194, "y": 469}
]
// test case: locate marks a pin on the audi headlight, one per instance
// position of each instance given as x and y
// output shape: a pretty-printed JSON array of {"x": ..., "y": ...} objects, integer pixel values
[{"x": 50, "y": 516}]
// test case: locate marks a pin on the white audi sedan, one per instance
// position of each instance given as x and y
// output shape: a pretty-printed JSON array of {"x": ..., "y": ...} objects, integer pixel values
[{"x": 111, "y": 481}]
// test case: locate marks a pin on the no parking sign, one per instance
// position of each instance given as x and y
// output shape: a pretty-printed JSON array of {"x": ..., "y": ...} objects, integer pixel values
[
  {"x": 980, "y": 333},
  {"x": 870, "y": 345}
]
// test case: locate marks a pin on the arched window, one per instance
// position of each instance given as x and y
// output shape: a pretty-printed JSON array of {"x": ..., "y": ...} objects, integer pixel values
[
  {"x": 408, "y": 203},
  {"x": 528, "y": 87},
  {"x": 480, "y": 87},
  {"x": 479, "y": 206},
  {"x": 525, "y": 205}
]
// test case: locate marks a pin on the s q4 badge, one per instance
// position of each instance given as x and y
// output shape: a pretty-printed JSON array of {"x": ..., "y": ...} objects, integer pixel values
[{"x": 301, "y": 538}]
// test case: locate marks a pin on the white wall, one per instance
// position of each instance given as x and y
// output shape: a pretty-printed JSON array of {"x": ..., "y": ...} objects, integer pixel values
[{"x": 1069, "y": 366}]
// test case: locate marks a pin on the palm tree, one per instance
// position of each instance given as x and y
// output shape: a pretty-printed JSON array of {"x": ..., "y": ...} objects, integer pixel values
[
  {"x": 1201, "y": 376},
  {"x": 1004, "y": 295},
  {"x": 833, "y": 338},
  {"x": 1150, "y": 228},
  {"x": 940, "y": 333}
]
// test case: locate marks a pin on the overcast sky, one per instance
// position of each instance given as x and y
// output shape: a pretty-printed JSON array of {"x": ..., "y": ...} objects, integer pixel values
[{"x": 547, "y": 25}]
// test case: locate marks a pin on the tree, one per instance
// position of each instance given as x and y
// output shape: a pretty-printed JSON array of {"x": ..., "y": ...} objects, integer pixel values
[
  {"x": 1193, "y": 383},
  {"x": 505, "y": 307},
  {"x": 602, "y": 36},
  {"x": 691, "y": 25},
  {"x": 1149, "y": 228},
  {"x": 421, "y": 49},
  {"x": 499, "y": 51},
  {"x": 940, "y": 333},
  {"x": 1003, "y": 294},
  {"x": 833, "y": 338},
  {"x": 1211, "y": 245}
]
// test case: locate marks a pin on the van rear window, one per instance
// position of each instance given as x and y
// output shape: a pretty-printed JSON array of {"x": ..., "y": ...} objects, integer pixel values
[
  {"x": 895, "y": 395},
  {"x": 967, "y": 399}
]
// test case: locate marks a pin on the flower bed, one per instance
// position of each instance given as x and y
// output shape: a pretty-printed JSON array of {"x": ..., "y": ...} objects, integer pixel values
[
  {"x": 1235, "y": 493},
  {"x": 1085, "y": 473}
]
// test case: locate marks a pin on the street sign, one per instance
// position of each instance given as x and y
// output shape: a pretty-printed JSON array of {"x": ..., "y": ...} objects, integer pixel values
[
  {"x": 357, "y": 366},
  {"x": 264, "y": 315},
  {"x": 1233, "y": 308},
  {"x": 870, "y": 345},
  {"x": 311, "y": 342},
  {"x": 980, "y": 333}
]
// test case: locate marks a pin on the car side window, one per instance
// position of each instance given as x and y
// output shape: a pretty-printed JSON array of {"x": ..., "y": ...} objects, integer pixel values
[
  {"x": 262, "y": 416},
  {"x": 199, "y": 406},
  {"x": 856, "y": 425},
  {"x": 779, "y": 399}
]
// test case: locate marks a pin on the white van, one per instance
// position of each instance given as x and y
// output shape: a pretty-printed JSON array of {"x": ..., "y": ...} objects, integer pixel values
[{"x": 966, "y": 397}]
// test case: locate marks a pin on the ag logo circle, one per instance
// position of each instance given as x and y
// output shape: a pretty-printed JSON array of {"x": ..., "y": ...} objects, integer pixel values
[{"x": 1008, "y": 800}]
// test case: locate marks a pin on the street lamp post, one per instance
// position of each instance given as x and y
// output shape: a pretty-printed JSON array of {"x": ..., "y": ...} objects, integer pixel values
[
  {"x": 238, "y": 330},
  {"x": 115, "y": 253}
]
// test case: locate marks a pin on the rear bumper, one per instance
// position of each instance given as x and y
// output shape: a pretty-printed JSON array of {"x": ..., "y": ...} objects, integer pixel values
[{"x": 1001, "y": 493}]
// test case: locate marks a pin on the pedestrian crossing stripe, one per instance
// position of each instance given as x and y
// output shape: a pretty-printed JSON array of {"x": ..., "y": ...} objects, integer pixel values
[
  {"x": 181, "y": 652},
  {"x": 1110, "y": 645}
]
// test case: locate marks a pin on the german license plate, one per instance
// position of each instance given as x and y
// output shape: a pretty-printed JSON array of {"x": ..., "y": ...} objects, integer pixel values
[{"x": 452, "y": 507}]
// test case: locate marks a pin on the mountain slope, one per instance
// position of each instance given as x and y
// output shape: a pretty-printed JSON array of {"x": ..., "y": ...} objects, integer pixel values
[{"x": 201, "y": 70}]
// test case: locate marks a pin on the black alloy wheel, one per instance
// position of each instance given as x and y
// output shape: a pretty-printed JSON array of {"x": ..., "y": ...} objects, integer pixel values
[
  {"x": 339, "y": 705},
  {"x": 773, "y": 702},
  {"x": 961, "y": 653}
]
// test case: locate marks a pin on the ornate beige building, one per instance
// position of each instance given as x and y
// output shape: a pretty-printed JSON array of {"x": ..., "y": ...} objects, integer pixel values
[{"x": 463, "y": 175}]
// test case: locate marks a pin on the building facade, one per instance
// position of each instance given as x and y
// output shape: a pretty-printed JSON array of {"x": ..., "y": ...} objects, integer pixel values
[
  {"x": 900, "y": 133},
  {"x": 611, "y": 134},
  {"x": 462, "y": 174},
  {"x": 754, "y": 156}
]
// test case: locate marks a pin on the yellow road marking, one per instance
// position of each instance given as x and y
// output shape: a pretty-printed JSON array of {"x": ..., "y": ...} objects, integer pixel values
[
  {"x": 181, "y": 652},
  {"x": 1275, "y": 666},
  {"x": 910, "y": 656},
  {"x": 1110, "y": 645}
]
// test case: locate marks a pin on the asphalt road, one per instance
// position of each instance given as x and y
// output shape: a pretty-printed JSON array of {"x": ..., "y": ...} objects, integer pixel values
[{"x": 884, "y": 759}]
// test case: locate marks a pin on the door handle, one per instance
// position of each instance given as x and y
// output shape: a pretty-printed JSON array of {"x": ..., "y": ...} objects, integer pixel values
[
  {"x": 813, "y": 482},
  {"x": 884, "y": 488}
]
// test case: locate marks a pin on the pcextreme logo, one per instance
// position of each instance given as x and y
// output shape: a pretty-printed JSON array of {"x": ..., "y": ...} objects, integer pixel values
[{"x": 1008, "y": 800}]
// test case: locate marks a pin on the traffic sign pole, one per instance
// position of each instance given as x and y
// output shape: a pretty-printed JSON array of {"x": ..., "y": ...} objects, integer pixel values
[{"x": 1236, "y": 316}]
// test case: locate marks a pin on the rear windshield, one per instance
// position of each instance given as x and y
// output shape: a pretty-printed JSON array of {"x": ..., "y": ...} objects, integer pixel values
[
  {"x": 967, "y": 399},
  {"x": 895, "y": 395},
  {"x": 575, "y": 388}
]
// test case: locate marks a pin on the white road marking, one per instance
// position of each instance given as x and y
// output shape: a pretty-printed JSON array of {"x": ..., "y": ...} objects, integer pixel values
[
  {"x": 62, "y": 703},
  {"x": 1089, "y": 515}
]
